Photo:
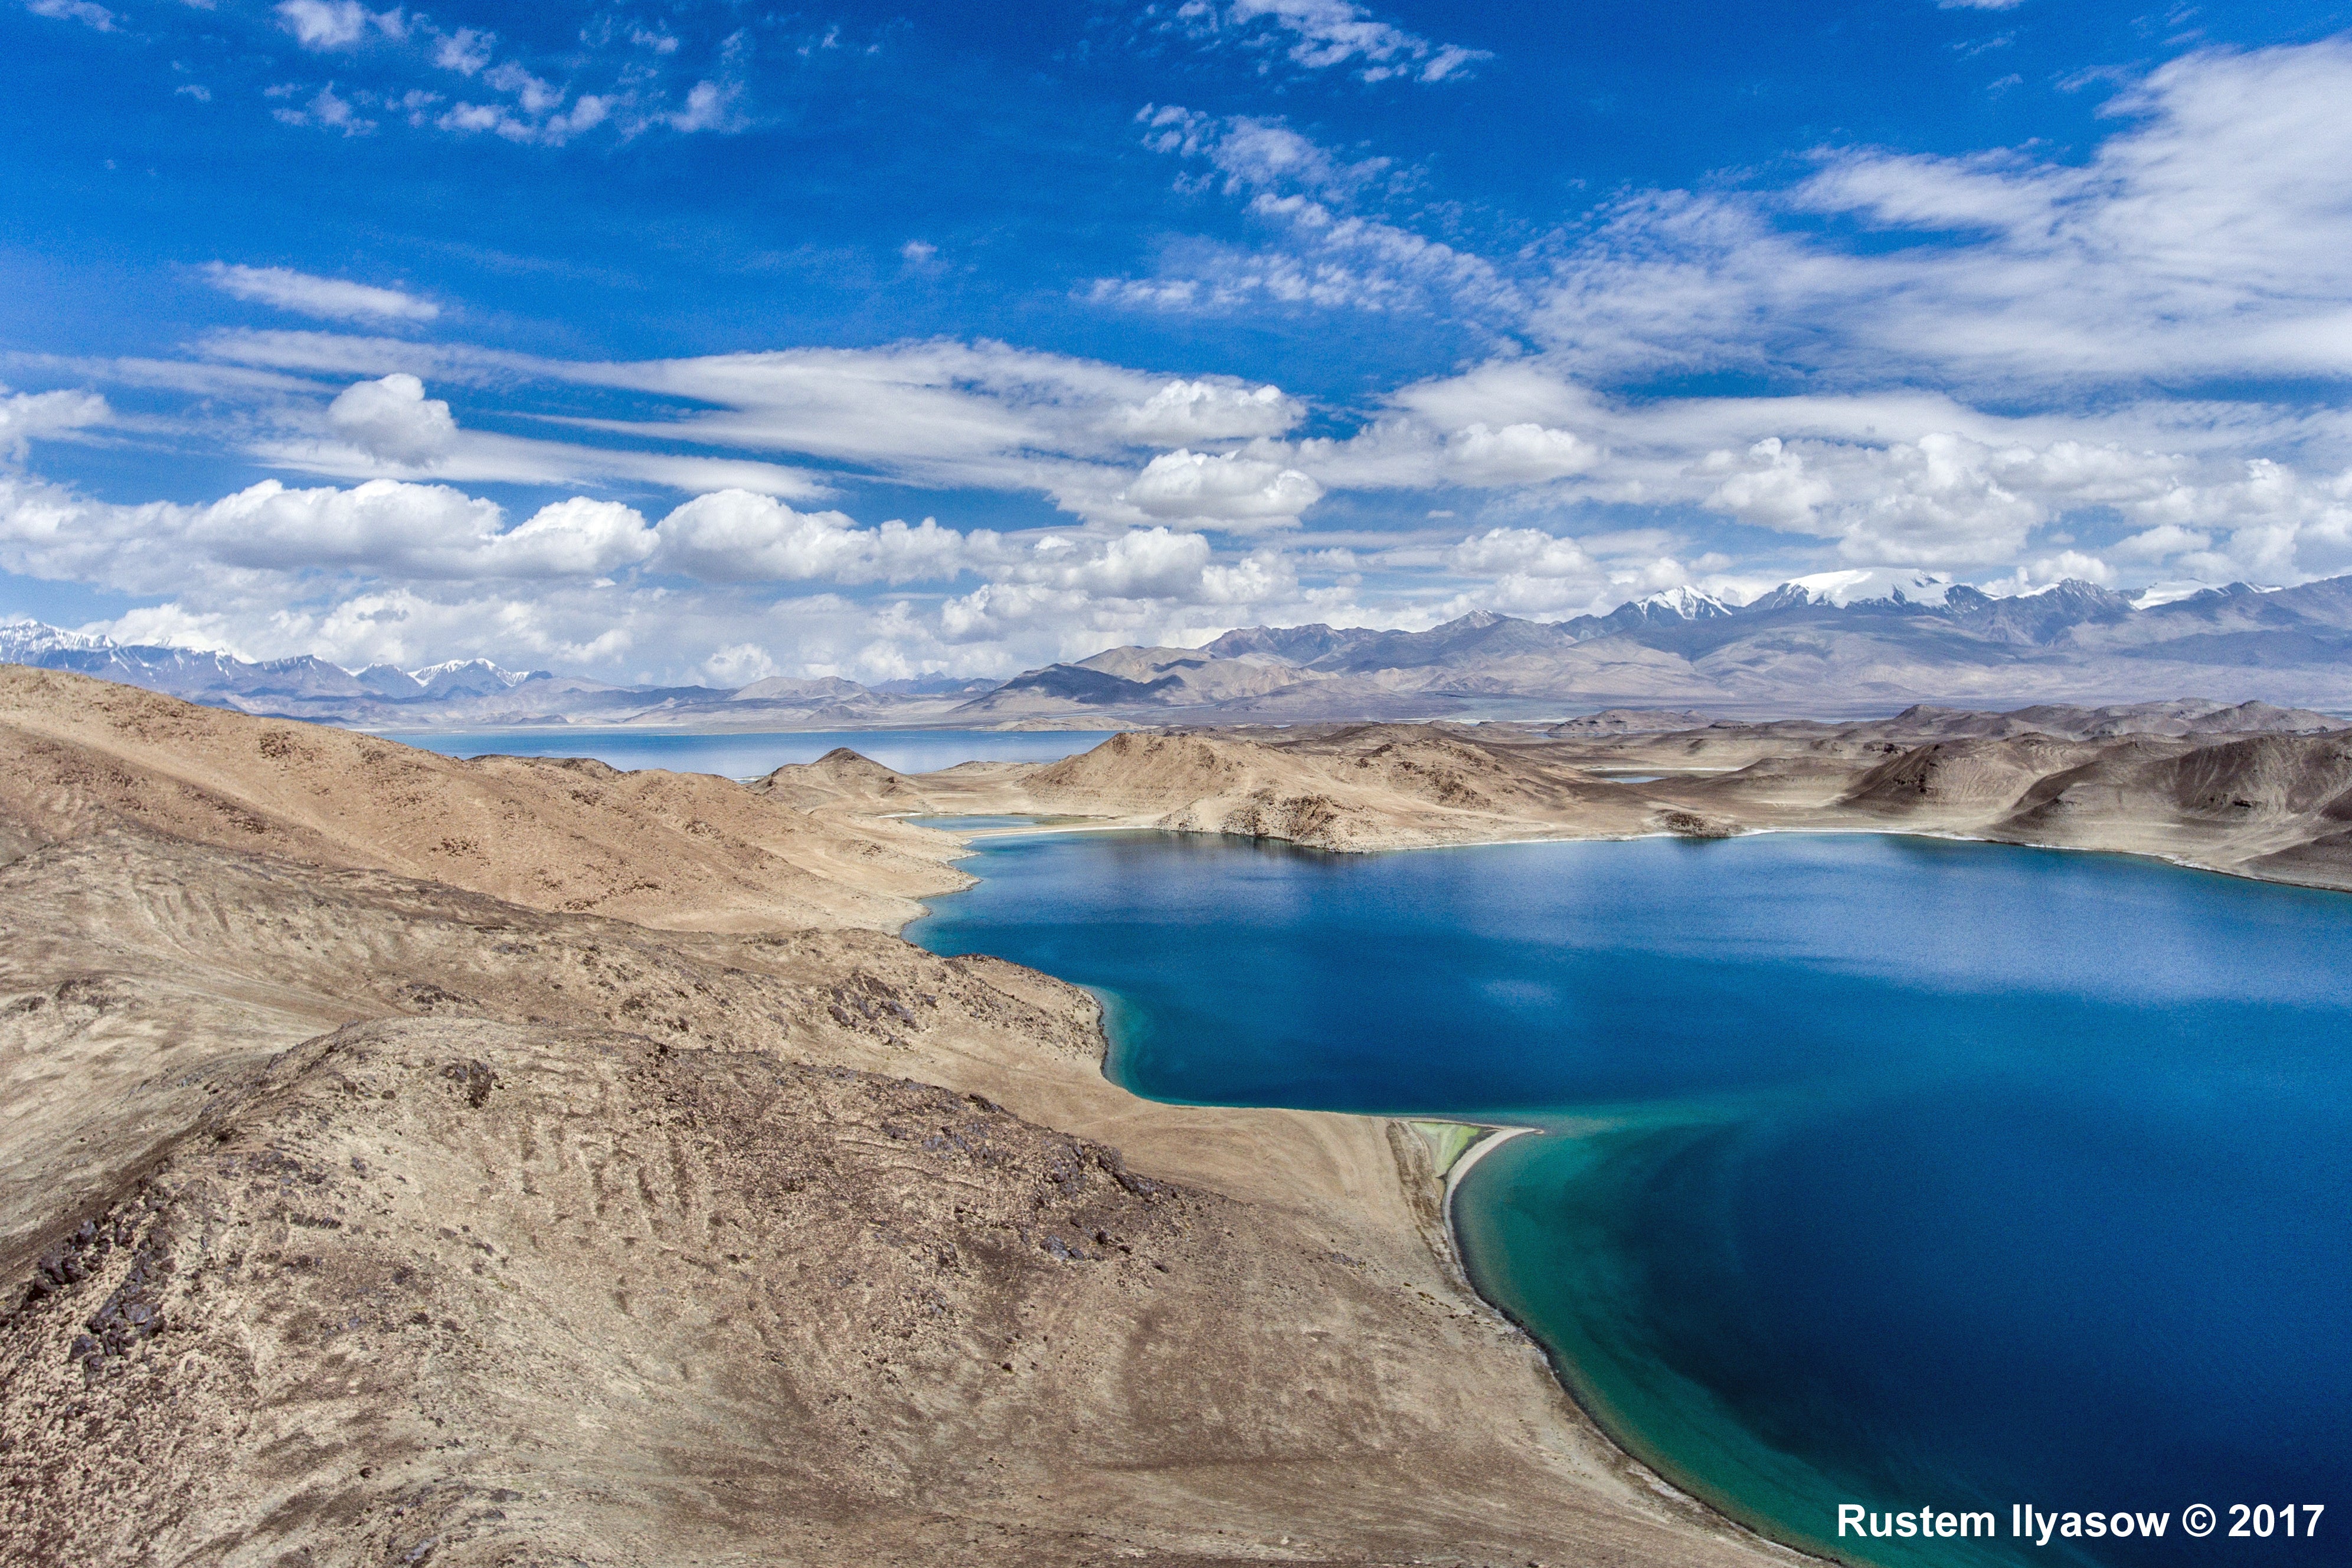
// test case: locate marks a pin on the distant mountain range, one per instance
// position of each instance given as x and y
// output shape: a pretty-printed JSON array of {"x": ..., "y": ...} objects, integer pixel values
[
  {"x": 474, "y": 692},
  {"x": 1840, "y": 643}
]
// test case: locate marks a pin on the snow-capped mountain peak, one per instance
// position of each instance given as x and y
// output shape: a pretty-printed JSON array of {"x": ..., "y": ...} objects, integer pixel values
[
  {"x": 1690, "y": 604},
  {"x": 479, "y": 667},
  {"x": 20, "y": 639},
  {"x": 1867, "y": 585}
]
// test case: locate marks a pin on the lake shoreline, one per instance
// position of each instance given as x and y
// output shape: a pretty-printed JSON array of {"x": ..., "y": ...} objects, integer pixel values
[
  {"x": 1717, "y": 1490},
  {"x": 1839, "y": 829}
]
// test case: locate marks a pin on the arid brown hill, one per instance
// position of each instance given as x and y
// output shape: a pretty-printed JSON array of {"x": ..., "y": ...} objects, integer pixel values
[
  {"x": 2276, "y": 804},
  {"x": 363, "y": 1202}
]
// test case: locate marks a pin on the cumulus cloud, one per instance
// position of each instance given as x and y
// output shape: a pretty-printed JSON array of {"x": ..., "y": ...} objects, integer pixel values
[
  {"x": 465, "y": 51},
  {"x": 1940, "y": 500},
  {"x": 393, "y": 420},
  {"x": 2161, "y": 543},
  {"x": 268, "y": 532},
  {"x": 307, "y": 294},
  {"x": 324, "y": 25},
  {"x": 1233, "y": 490},
  {"x": 709, "y": 105},
  {"x": 1207, "y": 410},
  {"x": 1529, "y": 550},
  {"x": 733, "y": 536},
  {"x": 1525, "y": 454},
  {"x": 1532, "y": 571},
  {"x": 1147, "y": 582},
  {"x": 578, "y": 538},
  {"x": 588, "y": 111}
]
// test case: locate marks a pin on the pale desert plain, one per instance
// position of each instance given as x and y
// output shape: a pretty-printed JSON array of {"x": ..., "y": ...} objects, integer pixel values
[{"x": 405, "y": 1159}]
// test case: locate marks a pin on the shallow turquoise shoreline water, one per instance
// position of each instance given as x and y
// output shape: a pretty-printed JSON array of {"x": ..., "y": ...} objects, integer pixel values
[{"x": 1881, "y": 1171}]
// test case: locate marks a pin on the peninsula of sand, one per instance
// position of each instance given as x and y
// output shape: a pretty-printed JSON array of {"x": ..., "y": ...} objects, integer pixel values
[{"x": 516, "y": 1161}]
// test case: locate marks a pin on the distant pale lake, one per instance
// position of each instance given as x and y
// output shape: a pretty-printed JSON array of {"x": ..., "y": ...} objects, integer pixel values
[
  {"x": 1877, "y": 1171},
  {"x": 741, "y": 756}
]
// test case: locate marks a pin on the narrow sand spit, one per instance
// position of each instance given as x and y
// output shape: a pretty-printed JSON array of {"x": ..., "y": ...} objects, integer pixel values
[{"x": 1468, "y": 1162}]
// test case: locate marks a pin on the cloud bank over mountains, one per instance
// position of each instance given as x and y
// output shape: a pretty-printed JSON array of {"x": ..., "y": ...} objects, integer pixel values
[{"x": 2014, "y": 365}]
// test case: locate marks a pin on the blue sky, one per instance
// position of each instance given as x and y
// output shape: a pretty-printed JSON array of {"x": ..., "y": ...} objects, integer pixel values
[{"x": 711, "y": 342}]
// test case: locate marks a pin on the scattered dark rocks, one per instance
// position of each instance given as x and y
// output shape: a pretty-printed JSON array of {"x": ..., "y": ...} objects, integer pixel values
[{"x": 474, "y": 1079}]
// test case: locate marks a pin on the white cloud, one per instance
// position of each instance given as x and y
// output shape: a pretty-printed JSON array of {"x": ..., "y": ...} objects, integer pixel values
[
  {"x": 938, "y": 414},
  {"x": 1322, "y": 260},
  {"x": 588, "y": 111},
  {"x": 531, "y": 95},
  {"x": 1323, "y": 255},
  {"x": 2161, "y": 543},
  {"x": 26, "y": 417},
  {"x": 1941, "y": 501},
  {"x": 393, "y": 420},
  {"x": 737, "y": 664},
  {"x": 327, "y": 112},
  {"x": 1231, "y": 490},
  {"x": 1533, "y": 572},
  {"x": 465, "y": 51},
  {"x": 733, "y": 536},
  {"x": 2206, "y": 236},
  {"x": 624, "y": 79},
  {"x": 1525, "y": 454},
  {"x": 1768, "y": 484},
  {"x": 709, "y": 106},
  {"x": 324, "y": 25},
  {"x": 1209, "y": 410},
  {"x": 333, "y": 299},
  {"x": 1146, "y": 582},
  {"x": 1254, "y": 154},
  {"x": 1529, "y": 550},
  {"x": 1320, "y": 34},
  {"x": 575, "y": 539},
  {"x": 269, "y": 534},
  {"x": 82, "y": 10}
]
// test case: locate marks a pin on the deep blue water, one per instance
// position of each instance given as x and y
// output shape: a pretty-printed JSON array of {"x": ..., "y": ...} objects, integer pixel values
[
  {"x": 747, "y": 756},
  {"x": 1879, "y": 1171}
]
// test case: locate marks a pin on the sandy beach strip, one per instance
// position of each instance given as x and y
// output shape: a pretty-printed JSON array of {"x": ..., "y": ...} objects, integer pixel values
[{"x": 1463, "y": 1165}]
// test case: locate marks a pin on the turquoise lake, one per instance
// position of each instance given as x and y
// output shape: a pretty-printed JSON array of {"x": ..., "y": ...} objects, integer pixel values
[
  {"x": 749, "y": 754},
  {"x": 1878, "y": 1171}
]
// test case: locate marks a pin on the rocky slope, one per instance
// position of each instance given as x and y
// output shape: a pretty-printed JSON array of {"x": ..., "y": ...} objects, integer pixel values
[{"x": 362, "y": 1202}]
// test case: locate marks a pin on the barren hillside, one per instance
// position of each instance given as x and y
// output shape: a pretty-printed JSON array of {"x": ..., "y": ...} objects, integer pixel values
[
  {"x": 350, "y": 1216},
  {"x": 2275, "y": 802}
]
